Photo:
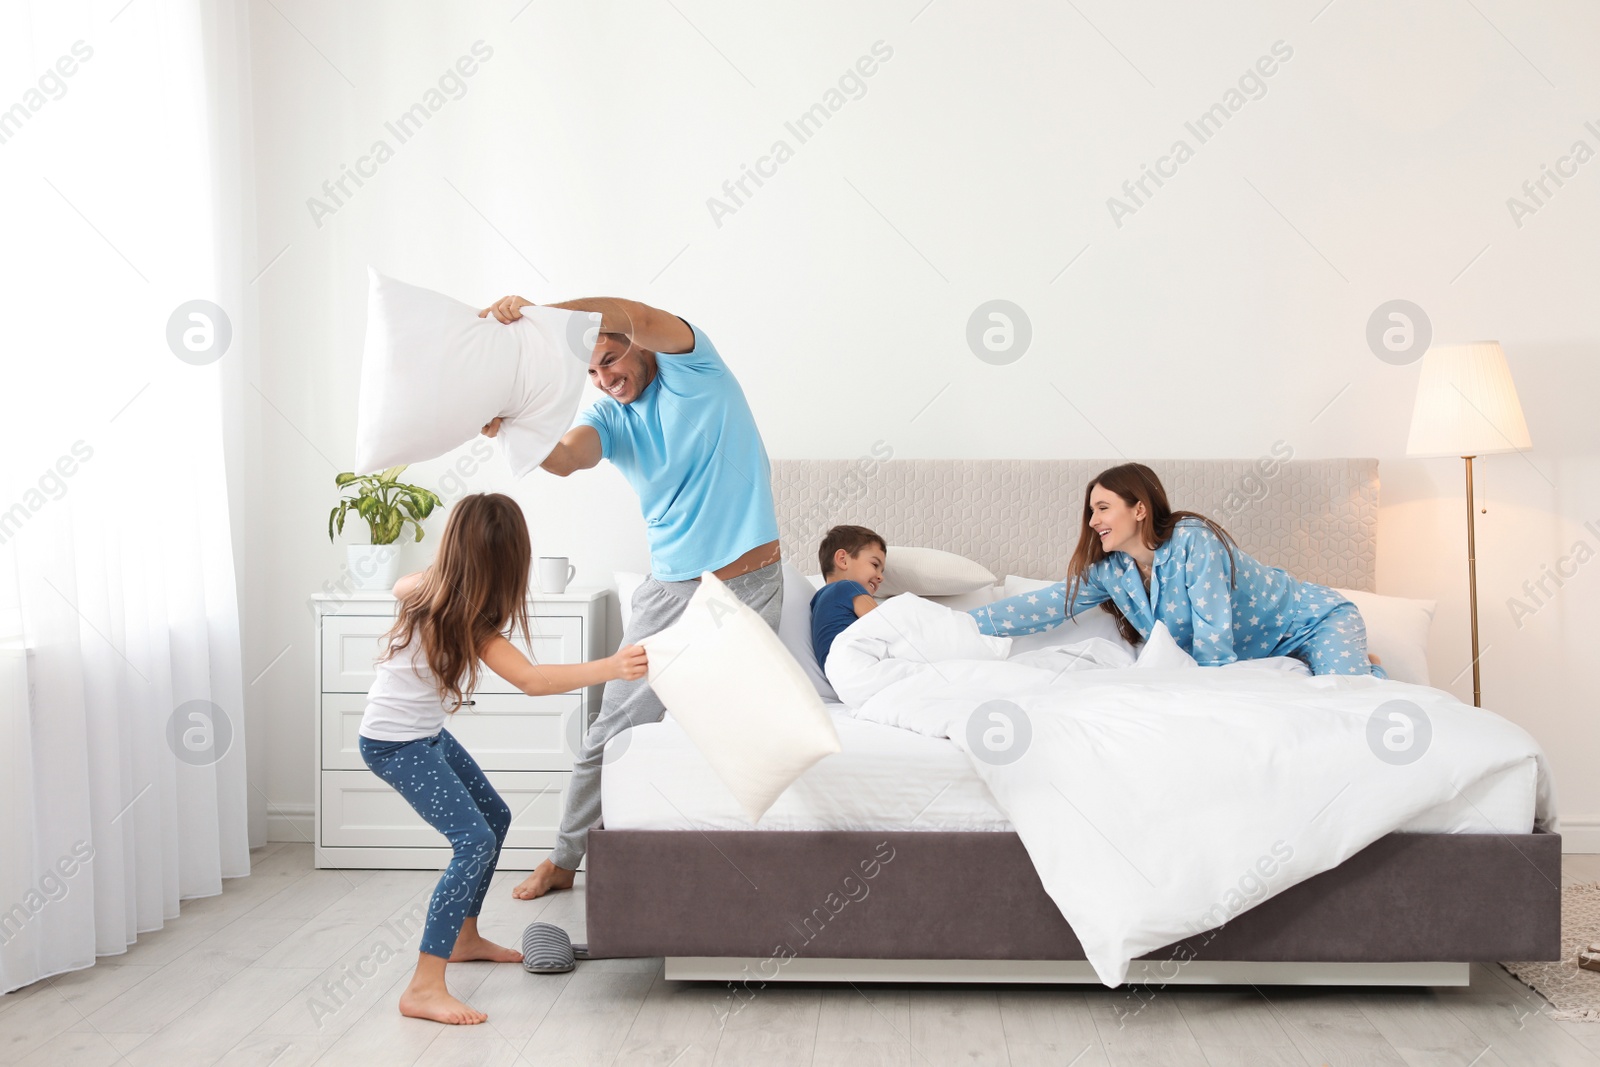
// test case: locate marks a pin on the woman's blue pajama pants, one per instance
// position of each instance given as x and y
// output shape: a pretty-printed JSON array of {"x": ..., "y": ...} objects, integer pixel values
[{"x": 1337, "y": 645}]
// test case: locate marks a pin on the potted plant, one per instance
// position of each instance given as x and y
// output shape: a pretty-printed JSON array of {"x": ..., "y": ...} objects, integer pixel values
[{"x": 387, "y": 504}]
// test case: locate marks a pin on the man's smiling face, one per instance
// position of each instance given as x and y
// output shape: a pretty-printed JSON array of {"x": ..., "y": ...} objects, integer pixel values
[{"x": 621, "y": 369}]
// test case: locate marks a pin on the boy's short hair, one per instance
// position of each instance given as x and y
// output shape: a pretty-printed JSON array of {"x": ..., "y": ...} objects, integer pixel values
[{"x": 850, "y": 538}]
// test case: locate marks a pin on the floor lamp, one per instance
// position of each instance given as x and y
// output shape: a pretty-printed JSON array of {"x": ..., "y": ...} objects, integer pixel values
[{"x": 1467, "y": 406}]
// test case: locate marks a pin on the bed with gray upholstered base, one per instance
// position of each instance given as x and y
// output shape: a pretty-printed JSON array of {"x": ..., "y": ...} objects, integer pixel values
[{"x": 1410, "y": 909}]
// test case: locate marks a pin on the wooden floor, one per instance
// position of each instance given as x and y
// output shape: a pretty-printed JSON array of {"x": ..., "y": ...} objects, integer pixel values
[{"x": 295, "y": 966}]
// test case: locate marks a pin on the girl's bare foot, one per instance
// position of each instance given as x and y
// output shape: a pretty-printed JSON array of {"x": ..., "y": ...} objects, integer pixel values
[
  {"x": 479, "y": 948},
  {"x": 545, "y": 878},
  {"x": 437, "y": 1004}
]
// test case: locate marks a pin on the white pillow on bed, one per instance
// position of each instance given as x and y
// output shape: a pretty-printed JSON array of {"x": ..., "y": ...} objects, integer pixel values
[
  {"x": 794, "y": 629},
  {"x": 929, "y": 572},
  {"x": 740, "y": 696},
  {"x": 976, "y": 598},
  {"x": 967, "y": 601},
  {"x": 1092, "y": 622},
  {"x": 1397, "y": 631},
  {"x": 433, "y": 373}
]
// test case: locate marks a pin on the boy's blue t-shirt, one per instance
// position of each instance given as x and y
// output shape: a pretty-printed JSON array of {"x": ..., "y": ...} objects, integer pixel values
[
  {"x": 690, "y": 448},
  {"x": 832, "y": 609}
]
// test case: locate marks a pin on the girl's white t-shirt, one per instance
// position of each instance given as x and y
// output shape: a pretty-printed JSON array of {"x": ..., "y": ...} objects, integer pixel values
[{"x": 403, "y": 704}]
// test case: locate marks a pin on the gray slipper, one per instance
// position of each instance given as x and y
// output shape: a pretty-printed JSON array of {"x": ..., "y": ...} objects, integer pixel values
[{"x": 546, "y": 949}]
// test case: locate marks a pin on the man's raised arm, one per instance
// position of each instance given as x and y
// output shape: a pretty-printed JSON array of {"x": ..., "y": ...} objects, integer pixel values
[
  {"x": 577, "y": 451},
  {"x": 649, "y": 328}
]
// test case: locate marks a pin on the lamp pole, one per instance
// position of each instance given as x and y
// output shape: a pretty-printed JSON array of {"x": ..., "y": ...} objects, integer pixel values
[{"x": 1472, "y": 586}]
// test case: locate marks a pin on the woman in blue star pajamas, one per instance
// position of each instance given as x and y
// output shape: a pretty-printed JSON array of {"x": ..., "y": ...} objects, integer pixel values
[{"x": 1152, "y": 564}]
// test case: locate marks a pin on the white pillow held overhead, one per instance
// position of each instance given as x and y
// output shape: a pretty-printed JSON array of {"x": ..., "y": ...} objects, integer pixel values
[
  {"x": 740, "y": 696},
  {"x": 433, "y": 373}
]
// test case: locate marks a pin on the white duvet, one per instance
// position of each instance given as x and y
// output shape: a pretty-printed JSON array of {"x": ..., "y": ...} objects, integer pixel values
[{"x": 1159, "y": 799}]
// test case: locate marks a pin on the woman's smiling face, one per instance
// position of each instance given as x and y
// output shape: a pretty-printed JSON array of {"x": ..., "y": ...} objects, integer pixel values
[{"x": 1114, "y": 521}]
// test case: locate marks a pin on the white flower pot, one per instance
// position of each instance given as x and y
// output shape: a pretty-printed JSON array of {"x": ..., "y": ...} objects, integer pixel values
[{"x": 372, "y": 567}]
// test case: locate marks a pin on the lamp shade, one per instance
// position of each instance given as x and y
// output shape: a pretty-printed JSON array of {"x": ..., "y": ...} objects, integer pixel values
[{"x": 1466, "y": 404}]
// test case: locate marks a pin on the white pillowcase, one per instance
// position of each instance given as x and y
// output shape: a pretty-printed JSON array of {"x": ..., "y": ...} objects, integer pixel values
[
  {"x": 1397, "y": 631},
  {"x": 976, "y": 598},
  {"x": 967, "y": 601},
  {"x": 1092, "y": 622},
  {"x": 1161, "y": 652},
  {"x": 1016, "y": 585},
  {"x": 794, "y": 624},
  {"x": 929, "y": 572},
  {"x": 433, "y": 373},
  {"x": 740, "y": 697},
  {"x": 794, "y": 629}
]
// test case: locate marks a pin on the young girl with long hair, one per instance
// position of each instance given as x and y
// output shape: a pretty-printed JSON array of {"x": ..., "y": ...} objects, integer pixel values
[
  {"x": 454, "y": 619},
  {"x": 1145, "y": 563}
]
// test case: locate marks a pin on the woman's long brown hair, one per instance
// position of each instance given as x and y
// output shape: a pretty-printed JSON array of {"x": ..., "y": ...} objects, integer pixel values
[
  {"x": 476, "y": 589},
  {"x": 1135, "y": 484}
]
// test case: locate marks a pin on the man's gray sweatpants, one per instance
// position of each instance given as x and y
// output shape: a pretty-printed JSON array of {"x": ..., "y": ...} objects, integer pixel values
[{"x": 624, "y": 705}]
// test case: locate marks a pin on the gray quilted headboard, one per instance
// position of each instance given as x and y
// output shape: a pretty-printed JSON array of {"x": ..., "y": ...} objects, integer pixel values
[{"x": 1316, "y": 518}]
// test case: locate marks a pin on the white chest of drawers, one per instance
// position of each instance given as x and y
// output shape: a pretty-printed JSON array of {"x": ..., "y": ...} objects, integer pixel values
[{"x": 524, "y": 744}]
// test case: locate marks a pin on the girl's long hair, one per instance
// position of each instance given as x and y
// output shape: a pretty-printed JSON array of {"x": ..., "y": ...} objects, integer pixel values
[
  {"x": 1135, "y": 484},
  {"x": 477, "y": 588}
]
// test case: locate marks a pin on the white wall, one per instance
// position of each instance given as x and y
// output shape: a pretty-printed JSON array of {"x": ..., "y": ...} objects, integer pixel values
[{"x": 1221, "y": 317}]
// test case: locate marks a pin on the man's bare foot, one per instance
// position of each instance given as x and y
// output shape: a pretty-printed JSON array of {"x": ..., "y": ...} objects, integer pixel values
[
  {"x": 479, "y": 948},
  {"x": 440, "y": 1006},
  {"x": 545, "y": 878}
]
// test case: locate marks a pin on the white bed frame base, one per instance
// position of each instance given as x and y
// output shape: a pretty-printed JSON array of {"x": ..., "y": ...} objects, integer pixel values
[{"x": 1075, "y": 972}]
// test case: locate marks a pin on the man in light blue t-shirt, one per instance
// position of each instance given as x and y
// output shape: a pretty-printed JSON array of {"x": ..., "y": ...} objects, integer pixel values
[{"x": 675, "y": 422}]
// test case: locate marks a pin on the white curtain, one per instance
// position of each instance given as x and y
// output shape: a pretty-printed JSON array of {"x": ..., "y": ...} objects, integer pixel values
[{"x": 124, "y": 195}]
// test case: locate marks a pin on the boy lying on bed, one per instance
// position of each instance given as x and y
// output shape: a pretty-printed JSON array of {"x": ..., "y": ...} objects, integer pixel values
[{"x": 852, "y": 559}]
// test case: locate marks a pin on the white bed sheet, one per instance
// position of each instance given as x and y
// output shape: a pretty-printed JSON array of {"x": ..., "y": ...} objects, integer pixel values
[{"x": 887, "y": 778}]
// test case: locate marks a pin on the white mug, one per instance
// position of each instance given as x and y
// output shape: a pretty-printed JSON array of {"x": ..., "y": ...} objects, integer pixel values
[{"x": 553, "y": 573}]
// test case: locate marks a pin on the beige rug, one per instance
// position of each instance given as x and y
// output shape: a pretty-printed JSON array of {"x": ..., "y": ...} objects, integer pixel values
[{"x": 1573, "y": 993}]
